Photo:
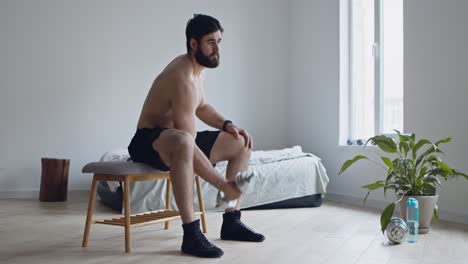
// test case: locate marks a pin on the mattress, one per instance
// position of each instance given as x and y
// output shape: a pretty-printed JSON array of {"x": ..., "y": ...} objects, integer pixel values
[{"x": 287, "y": 177}]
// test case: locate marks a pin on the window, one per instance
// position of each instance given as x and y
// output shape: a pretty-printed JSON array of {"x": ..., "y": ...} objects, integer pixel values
[{"x": 371, "y": 69}]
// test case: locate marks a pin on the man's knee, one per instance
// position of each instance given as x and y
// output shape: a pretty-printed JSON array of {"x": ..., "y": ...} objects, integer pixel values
[
  {"x": 179, "y": 143},
  {"x": 183, "y": 141},
  {"x": 240, "y": 144}
]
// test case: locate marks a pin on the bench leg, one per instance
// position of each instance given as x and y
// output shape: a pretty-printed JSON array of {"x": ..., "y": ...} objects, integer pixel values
[
  {"x": 89, "y": 216},
  {"x": 127, "y": 214},
  {"x": 200, "y": 203},
  {"x": 168, "y": 200}
]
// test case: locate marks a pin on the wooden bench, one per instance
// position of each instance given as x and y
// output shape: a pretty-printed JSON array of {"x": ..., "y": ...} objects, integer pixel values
[{"x": 128, "y": 172}]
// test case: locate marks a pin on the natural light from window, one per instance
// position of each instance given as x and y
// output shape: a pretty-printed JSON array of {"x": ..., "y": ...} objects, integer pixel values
[
  {"x": 372, "y": 49},
  {"x": 392, "y": 65}
]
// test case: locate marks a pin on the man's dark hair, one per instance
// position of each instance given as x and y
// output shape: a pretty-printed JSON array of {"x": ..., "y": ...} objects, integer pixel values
[{"x": 199, "y": 26}]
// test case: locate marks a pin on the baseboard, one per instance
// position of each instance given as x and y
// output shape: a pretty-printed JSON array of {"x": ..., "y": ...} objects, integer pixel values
[
  {"x": 34, "y": 194},
  {"x": 453, "y": 217},
  {"x": 358, "y": 201},
  {"x": 19, "y": 194}
]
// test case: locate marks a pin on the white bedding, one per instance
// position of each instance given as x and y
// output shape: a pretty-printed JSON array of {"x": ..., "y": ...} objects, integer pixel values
[{"x": 281, "y": 174}]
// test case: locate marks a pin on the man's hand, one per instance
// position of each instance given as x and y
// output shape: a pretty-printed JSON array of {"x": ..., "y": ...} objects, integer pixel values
[{"x": 235, "y": 131}]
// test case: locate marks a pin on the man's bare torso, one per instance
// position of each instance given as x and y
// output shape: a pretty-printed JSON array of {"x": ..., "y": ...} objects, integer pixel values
[{"x": 158, "y": 107}]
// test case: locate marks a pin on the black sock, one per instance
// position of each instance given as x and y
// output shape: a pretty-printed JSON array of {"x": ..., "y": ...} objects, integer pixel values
[
  {"x": 234, "y": 229},
  {"x": 195, "y": 243}
]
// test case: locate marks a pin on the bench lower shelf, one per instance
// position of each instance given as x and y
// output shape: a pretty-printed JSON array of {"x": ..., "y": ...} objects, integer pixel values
[{"x": 143, "y": 219}]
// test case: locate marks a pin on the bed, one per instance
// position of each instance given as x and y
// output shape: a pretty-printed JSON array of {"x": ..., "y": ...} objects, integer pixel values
[{"x": 285, "y": 178}]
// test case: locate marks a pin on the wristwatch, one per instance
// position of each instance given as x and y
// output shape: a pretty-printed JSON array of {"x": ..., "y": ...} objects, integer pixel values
[{"x": 227, "y": 122}]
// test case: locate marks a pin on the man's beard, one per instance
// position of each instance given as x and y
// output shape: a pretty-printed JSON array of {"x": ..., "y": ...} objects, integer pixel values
[{"x": 207, "y": 61}]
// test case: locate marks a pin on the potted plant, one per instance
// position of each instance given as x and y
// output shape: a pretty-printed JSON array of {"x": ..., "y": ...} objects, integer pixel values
[{"x": 414, "y": 169}]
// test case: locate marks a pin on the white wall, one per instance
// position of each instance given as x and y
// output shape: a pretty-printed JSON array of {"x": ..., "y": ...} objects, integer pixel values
[
  {"x": 436, "y": 85},
  {"x": 74, "y": 75},
  {"x": 434, "y": 101}
]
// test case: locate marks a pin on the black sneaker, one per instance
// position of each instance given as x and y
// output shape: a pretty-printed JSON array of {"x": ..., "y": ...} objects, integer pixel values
[
  {"x": 234, "y": 229},
  {"x": 195, "y": 243}
]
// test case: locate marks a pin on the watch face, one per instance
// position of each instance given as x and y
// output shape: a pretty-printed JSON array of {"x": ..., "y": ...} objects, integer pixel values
[{"x": 226, "y": 123}]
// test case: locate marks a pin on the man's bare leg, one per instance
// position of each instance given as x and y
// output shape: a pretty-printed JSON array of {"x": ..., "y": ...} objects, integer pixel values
[
  {"x": 234, "y": 150},
  {"x": 227, "y": 147},
  {"x": 203, "y": 167},
  {"x": 178, "y": 150}
]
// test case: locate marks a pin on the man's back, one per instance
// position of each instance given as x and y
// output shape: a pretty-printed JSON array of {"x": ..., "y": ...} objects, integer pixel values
[{"x": 157, "y": 110}]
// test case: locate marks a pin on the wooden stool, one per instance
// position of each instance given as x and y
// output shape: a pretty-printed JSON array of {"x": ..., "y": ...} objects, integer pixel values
[{"x": 128, "y": 172}]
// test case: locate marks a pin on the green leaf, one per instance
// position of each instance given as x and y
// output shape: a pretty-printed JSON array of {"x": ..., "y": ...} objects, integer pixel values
[
  {"x": 375, "y": 185},
  {"x": 430, "y": 150},
  {"x": 411, "y": 141},
  {"x": 436, "y": 212},
  {"x": 427, "y": 190},
  {"x": 446, "y": 140},
  {"x": 445, "y": 167},
  {"x": 369, "y": 140},
  {"x": 404, "y": 147},
  {"x": 385, "y": 143},
  {"x": 422, "y": 172},
  {"x": 388, "y": 183},
  {"x": 386, "y": 216},
  {"x": 432, "y": 179},
  {"x": 432, "y": 158},
  {"x": 388, "y": 162},
  {"x": 420, "y": 143},
  {"x": 457, "y": 173},
  {"x": 439, "y": 171},
  {"x": 403, "y": 138},
  {"x": 350, "y": 162}
]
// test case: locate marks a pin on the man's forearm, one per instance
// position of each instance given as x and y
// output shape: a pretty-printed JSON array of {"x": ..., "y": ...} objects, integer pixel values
[{"x": 209, "y": 116}]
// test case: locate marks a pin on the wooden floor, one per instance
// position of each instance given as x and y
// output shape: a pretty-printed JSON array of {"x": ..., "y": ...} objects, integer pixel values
[{"x": 35, "y": 232}]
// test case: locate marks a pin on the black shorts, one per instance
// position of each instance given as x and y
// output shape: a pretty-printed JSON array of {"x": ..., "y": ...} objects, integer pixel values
[{"x": 141, "y": 146}]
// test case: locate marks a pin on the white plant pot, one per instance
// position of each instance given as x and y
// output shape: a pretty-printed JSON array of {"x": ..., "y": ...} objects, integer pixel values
[{"x": 426, "y": 210}]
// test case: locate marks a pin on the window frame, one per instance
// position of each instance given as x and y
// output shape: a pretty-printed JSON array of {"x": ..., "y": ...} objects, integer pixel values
[{"x": 346, "y": 60}]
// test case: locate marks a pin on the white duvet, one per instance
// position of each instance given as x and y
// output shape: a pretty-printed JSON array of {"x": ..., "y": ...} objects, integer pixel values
[{"x": 281, "y": 174}]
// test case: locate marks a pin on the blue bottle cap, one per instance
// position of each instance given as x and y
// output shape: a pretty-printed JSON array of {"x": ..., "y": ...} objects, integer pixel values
[{"x": 412, "y": 202}]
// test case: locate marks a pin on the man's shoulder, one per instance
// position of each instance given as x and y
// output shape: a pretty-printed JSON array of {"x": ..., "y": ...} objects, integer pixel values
[
  {"x": 174, "y": 78},
  {"x": 174, "y": 85}
]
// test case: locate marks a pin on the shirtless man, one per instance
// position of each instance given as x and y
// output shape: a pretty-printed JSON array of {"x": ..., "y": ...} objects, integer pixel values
[{"x": 166, "y": 137}]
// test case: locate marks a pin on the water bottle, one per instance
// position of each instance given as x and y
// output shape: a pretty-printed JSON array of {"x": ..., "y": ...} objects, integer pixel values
[{"x": 412, "y": 219}]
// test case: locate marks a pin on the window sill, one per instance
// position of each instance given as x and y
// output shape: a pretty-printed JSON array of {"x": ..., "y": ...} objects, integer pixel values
[{"x": 357, "y": 147}]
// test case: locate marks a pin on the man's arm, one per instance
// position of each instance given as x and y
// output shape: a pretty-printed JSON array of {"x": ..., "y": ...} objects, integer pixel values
[
  {"x": 209, "y": 116},
  {"x": 207, "y": 113},
  {"x": 183, "y": 108}
]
